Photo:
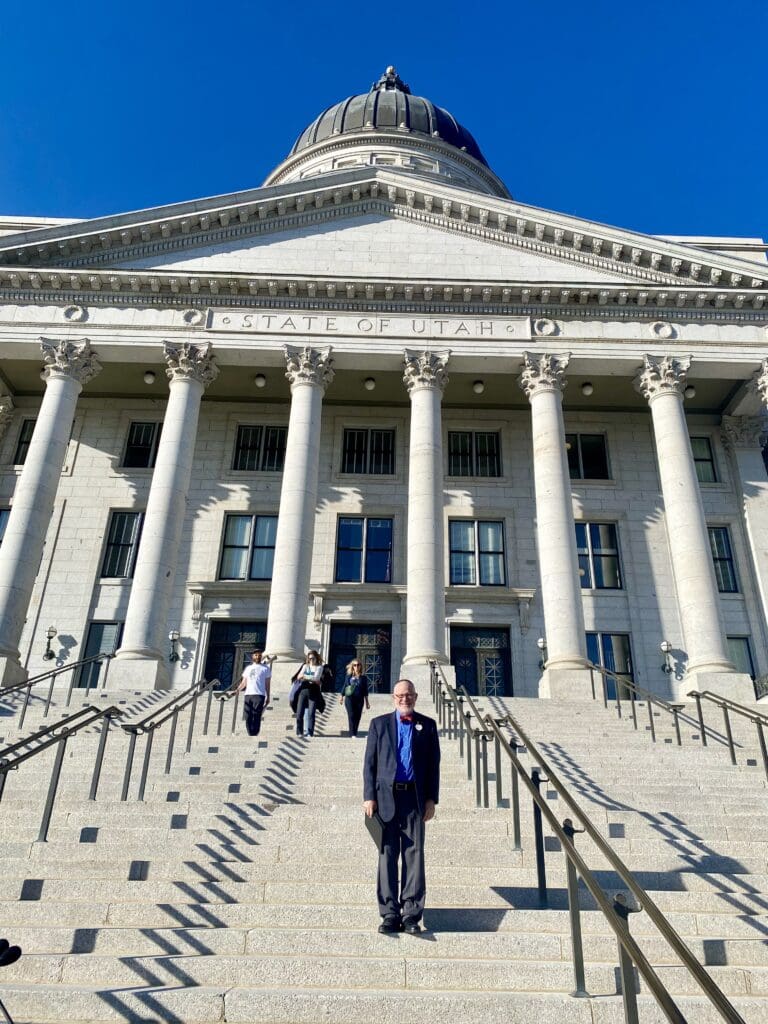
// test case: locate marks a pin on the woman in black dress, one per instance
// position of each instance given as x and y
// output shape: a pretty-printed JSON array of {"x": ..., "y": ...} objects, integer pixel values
[{"x": 355, "y": 695}]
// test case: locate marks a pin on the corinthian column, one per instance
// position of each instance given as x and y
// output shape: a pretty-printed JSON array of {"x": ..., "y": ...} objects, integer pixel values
[
  {"x": 309, "y": 372},
  {"x": 140, "y": 662},
  {"x": 661, "y": 381},
  {"x": 425, "y": 378},
  {"x": 68, "y": 366},
  {"x": 566, "y": 675}
]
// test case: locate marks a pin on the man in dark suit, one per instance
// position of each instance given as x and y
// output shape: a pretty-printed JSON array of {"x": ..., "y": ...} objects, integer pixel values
[{"x": 401, "y": 777}]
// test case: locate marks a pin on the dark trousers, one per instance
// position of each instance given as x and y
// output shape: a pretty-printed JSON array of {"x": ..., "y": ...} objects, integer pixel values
[
  {"x": 253, "y": 708},
  {"x": 305, "y": 709},
  {"x": 403, "y": 849},
  {"x": 354, "y": 706}
]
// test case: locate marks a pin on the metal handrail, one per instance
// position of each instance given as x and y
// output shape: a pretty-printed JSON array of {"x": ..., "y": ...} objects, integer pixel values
[
  {"x": 27, "y": 684},
  {"x": 727, "y": 706},
  {"x": 616, "y": 914},
  {"x": 149, "y": 725},
  {"x": 58, "y": 733},
  {"x": 636, "y": 692},
  {"x": 222, "y": 698}
]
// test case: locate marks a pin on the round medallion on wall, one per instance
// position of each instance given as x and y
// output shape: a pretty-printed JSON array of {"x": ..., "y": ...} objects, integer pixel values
[
  {"x": 546, "y": 328},
  {"x": 193, "y": 317},
  {"x": 663, "y": 330},
  {"x": 76, "y": 314}
]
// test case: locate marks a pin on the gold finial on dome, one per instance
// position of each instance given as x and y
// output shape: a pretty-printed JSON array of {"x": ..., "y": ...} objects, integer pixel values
[{"x": 390, "y": 81}]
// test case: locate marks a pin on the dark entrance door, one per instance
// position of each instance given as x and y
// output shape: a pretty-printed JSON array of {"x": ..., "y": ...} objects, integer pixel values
[
  {"x": 369, "y": 643},
  {"x": 228, "y": 647},
  {"x": 482, "y": 660}
]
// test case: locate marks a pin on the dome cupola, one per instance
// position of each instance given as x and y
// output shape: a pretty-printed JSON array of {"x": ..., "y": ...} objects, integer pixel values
[{"x": 389, "y": 127}]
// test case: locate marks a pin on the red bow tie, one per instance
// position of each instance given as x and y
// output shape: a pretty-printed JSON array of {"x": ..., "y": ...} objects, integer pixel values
[{"x": 406, "y": 718}]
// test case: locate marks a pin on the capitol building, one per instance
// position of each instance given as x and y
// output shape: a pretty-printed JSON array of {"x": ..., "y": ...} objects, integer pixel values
[{"x": 380, "y": 407}]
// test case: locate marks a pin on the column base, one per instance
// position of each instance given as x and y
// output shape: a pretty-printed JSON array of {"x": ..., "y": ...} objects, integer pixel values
[
  {"x": 129, "y": 673},
  {"x": 419, "y": 671},
  {"x": 11, "y": 671},
  {"x": 736, "y": 686},
  {"x": 282, "y": 673},
  {"x": 566, "y": 684}
]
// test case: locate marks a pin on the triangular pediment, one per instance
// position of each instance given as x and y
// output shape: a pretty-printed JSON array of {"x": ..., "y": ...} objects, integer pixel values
[{"x": 372, "y": 225}]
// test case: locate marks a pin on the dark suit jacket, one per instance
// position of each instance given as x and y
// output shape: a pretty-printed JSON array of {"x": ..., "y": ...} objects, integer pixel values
[{"x": 380, "y": 763}]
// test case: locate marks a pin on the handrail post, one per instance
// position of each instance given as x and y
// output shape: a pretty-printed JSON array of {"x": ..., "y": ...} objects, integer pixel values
[
  {"x": 484, "y": 755},
  {"x": 650, "y": 720},
  {"x": 538, "y": 831},
  {"x": 592, "y": 680},
  {"x": 145, "y": 764},
  {"x": 220, "y": 722},
  {"x": 467, "y": 717},
  {"x": 729, "y": 734},
  {"x": 574, "y": 914},
  {"x": 3, "y": 777},
  {"x": 171, "y": 739},
  {"x": 618, "y": 699},
  {"x": 604, "y": 681},
  {"x": 626, "y": 969},
  {"x": 234, "y": 711},
  {"x": 191, "y": 728},
  {"x": 478, "y": 781},
  {"x": 676, "y": 720},
  {"x": 461, "y": 724},
  {"x": 128, "y": 767},
  {"x": 23, "y": 714},
  {"x": 207, "y": 711},
  {"x": 761, "y": 741},
  {"x": 632, "y": 699},
  {"x": 42, "y": 836},
  {"x": 497, "y": 769},
  {"x": 49, "y": 698},
  {"x": 515, "y": 801},
  {"x": 700, "y": 712},
  {"x": 105, "y": 724}
]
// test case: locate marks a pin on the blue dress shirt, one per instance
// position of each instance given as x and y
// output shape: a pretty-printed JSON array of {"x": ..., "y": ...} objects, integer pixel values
[{"x": 404, "y": 750}]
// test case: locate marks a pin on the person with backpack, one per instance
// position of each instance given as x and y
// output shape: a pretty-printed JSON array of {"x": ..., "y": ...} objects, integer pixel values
[{"x": 355, "y": 695}]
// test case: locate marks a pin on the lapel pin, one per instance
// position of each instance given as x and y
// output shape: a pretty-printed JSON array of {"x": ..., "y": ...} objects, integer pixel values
[{"x": 418, "y": 726}]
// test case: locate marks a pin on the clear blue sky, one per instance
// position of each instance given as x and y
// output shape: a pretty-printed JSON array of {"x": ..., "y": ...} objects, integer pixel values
[{"x": 649, "y": 115}]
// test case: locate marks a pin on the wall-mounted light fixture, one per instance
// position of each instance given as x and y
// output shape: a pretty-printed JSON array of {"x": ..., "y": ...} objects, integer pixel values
[
  {"x": 478, "y": 386},
  {"x": 690, "y": 391},
  {"x": 50, "y": 633},
  {"x": 173, "y": 636},
  {"x": 665, "y": 647},
  {"x": 541, "y": 643},
  {"x": 260, "y": 380},
  {"x": 369, "y": 383},
  {"x": 587, "y": 388},
  {"x": 149, "y": 376}
]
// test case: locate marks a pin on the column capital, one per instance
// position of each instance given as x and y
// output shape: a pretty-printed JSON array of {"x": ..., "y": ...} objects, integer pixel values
[
  {"x": 662, "y": 375},
  {"x": 6, "y": 413},
  {"x": 543, "y": 371},
  {"x": 425, "y": 369},
  {"x": 759, "y": 382},
  {"x": 308, "y": 365},
  {"x": 73, "y": 359},
  {"x": 744, "y": 431},
  {"x": 190, "y": 362}
]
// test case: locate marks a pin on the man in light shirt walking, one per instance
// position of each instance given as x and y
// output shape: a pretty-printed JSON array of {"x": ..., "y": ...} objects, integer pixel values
[{"x": 256, "y": 681}]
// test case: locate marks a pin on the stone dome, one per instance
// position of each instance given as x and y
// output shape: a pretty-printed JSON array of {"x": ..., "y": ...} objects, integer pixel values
[{"x": 389, "y": 107}]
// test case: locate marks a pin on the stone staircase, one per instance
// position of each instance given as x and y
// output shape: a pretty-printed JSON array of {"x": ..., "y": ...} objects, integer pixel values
[{"x": 243, "y": 888}]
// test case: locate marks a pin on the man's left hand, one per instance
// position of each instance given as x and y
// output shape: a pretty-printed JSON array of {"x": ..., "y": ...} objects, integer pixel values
[{"x": 429, "y": 810}]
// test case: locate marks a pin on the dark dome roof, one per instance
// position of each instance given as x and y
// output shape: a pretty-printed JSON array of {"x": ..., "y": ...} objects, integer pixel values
[{"x": 389, "y": 106}]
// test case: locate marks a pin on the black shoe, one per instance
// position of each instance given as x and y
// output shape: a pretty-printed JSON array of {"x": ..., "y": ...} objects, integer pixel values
[
  {"x": 411, "y": 925},
  {"x": 390, "y": 925}
]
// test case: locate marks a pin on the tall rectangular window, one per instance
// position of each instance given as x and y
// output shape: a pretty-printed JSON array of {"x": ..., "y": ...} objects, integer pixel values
[
  {"x": 587, "y": 456},
  {"x": 369, "y": 451},
  {"x": 474, "y": 453},
  {"x": 260, "y": 448},
  {"x": 103, "y": 638},
  {"x": 598, "y": 550},
  {"x": 614, "y": 652},
  {"x": 122, "y": 544},
  {"x": 248, "y": 551},
  {"x": 722, "y": 558},
  {"x": 476, "y": 553},
  {"x": 704, "y": 460},
  {"x": 4, "y": 513},
  {"x": 141, "y": 447},
  {"x": 740, "y": 653},
  {"x": 363, "y": 550},
  {"x": 22, "y": 447}
]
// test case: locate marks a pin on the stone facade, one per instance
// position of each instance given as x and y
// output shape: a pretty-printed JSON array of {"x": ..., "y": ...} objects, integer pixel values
[{"x": 386, "y": 299}]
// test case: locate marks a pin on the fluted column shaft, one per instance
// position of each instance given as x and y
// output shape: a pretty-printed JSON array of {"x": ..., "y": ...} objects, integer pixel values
[
  {"x": 425, "y": 378},
  {"x": 661, "y": 381},
  {"x": 310, "y": 372},
  {"x": 68, "y": 365},
  {"x": 190, "y": 369},
  {"x": 543, "y": 380}
]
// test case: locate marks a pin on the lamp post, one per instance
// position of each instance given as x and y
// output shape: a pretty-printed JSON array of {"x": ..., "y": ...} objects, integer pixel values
[
  {"x": 541, "y": 643},
  {"x": 173, "y": 636},
  {"x": 665, "y": 647}
]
